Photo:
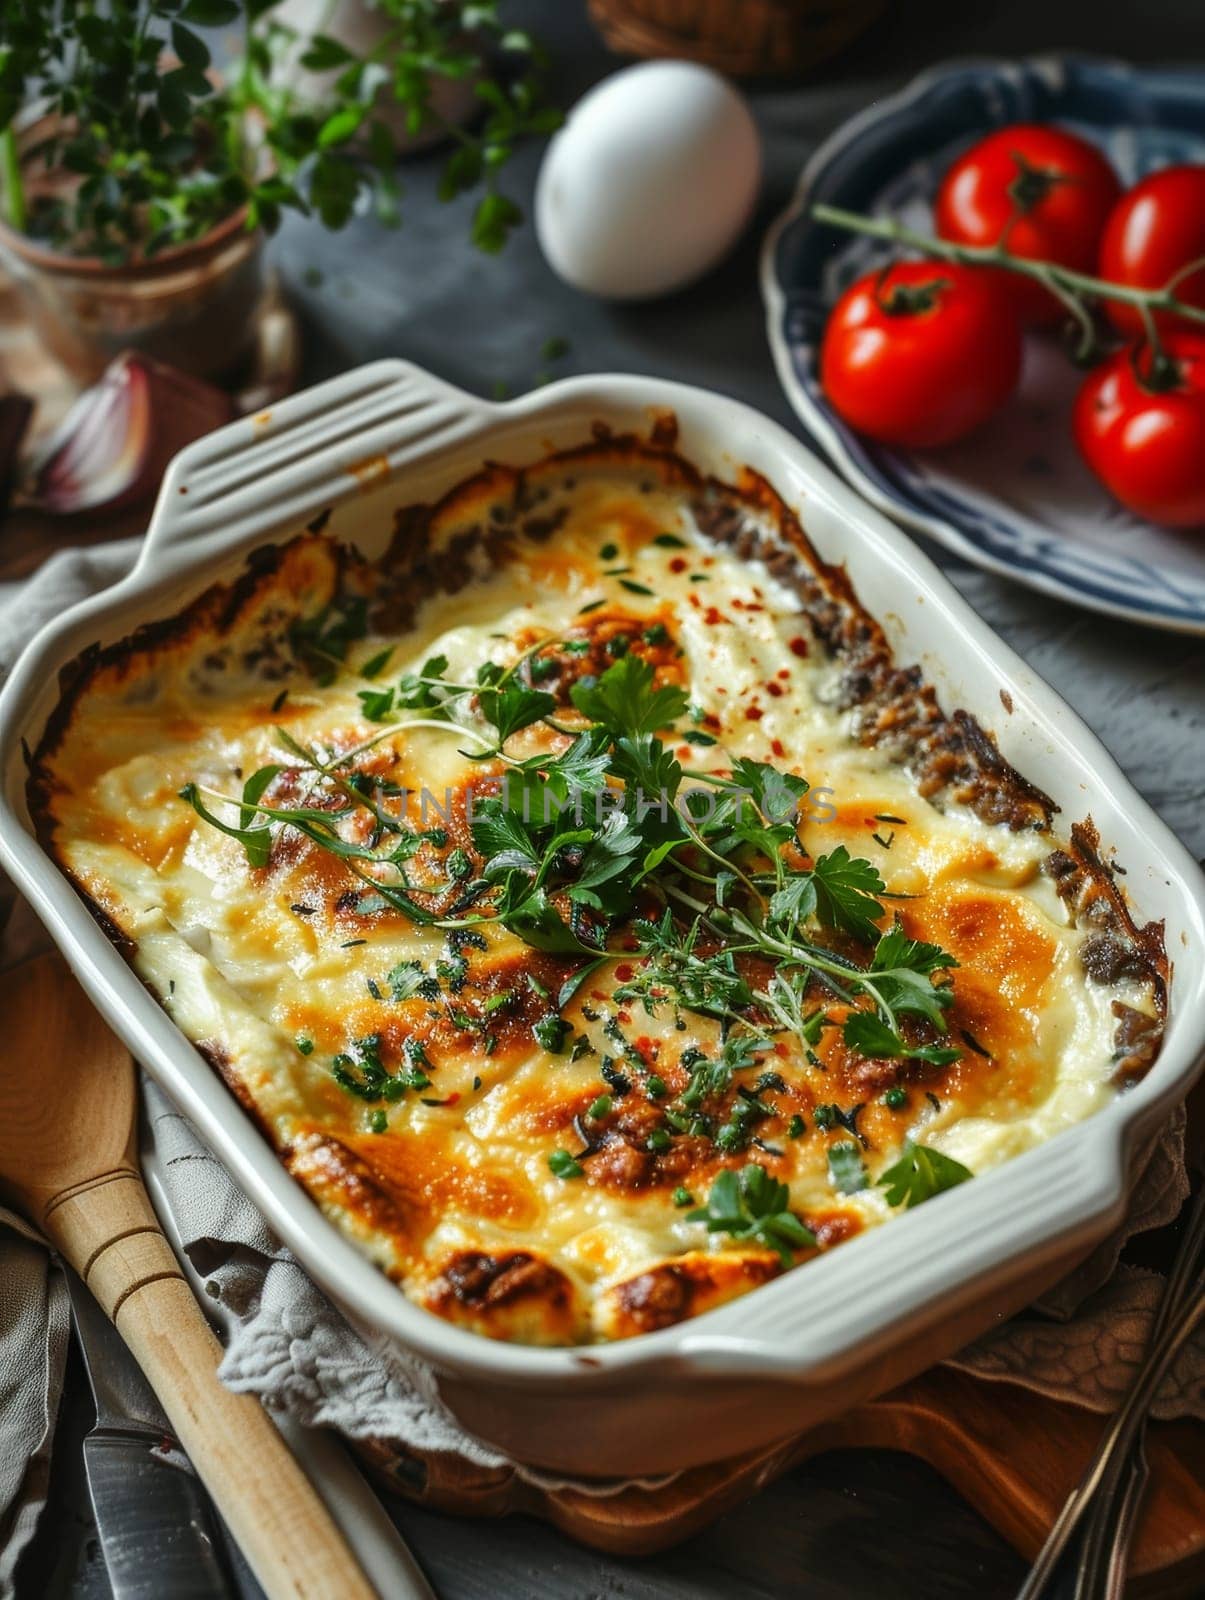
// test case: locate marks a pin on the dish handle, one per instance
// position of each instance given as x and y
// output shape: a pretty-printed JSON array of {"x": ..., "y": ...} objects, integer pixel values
[{"x": 284, "y": 464}]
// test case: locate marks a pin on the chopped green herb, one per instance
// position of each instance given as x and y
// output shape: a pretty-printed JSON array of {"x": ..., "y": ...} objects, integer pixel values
[
  {"x": 659, "y": 1140},
  {"x": 458, "y": 865},
  {"x": 601, "y": 1108},
  {"x": 551, "y": 1032},
  {"x": 753, "y": 1206},
  {"x": 846, "y": 1169},
  {"x": 670, "y": 541},
  {"x": 562, "y": 1165},
  {"x": 378, "y": 1122},
  {"x": 895, "y": 1098},
  {"x": 376, "y": 704},
  {"x": 654, "y": 1087},
  {"x": 609, "y": 552},
  {"x": 593, "y": 605},
  {"x": 795, "y": 1127},
  {"x": 633, "y": 587},
  {"x": 408, "y": 979},
  {"x": 919, "y": 1174},
  {"x": 377, "y": 664},
  {"x": 306, "y": 1046},
  {"x": 682, "y": 1197}
]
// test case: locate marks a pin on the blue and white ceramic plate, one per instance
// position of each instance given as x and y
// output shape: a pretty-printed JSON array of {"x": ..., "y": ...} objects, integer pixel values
[{"x": 1014, "y": 497}]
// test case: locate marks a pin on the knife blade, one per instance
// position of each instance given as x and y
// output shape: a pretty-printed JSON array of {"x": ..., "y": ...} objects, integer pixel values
[{"x": 156, "y": 1526}]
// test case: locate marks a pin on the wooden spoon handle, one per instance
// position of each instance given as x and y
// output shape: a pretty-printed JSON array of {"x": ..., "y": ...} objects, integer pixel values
[{"x": 106, "y": 1228}]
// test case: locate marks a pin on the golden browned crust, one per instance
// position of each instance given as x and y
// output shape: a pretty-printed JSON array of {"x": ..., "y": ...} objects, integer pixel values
[
  {"x": 673, "y": 1291},
  {"x": 511, "y": 1294}
]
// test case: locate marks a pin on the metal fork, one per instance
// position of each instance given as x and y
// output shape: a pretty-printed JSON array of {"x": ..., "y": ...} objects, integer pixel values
[
  {"x": 1104, "y": 1555},
  {"x": 1119, "y": 1465}
]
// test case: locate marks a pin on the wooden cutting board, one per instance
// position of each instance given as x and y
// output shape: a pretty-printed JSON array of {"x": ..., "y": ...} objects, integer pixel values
[{"x": 1013, "y": 1454}]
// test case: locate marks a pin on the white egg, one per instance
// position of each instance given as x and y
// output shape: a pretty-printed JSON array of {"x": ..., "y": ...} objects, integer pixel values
[{"x": 650, "y": 182}]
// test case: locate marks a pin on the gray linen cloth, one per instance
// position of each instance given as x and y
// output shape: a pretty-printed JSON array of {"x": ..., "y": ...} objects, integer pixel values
[{"x": 293, "y": 1348}]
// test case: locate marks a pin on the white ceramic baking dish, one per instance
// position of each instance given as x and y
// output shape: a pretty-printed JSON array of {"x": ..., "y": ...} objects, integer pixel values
[{"x": 848, "y": 1324}]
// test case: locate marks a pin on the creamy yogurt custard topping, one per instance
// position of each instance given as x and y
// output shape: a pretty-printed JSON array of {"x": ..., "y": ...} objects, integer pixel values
[{"x": 595, "y": 919}]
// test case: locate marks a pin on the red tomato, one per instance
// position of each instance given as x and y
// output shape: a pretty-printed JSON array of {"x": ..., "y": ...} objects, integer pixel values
[
  {"x": 1147, "y": 445},
  {"x": 1043, "y": 193},
  {"x": 920, "y": 355},
  {"x": 1154, "y": 231}
]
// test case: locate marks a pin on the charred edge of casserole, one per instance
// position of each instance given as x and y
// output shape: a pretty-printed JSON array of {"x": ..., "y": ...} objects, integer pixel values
[
  {"x": 513, "y": 1294},
  {"x": 1116, "y": 949},
  {"x": 894, "y": 709},
  {"x": 216, "y": 611},
  {"x": 324, "y": 1165},
  {"x": 674, "y": 1291}
]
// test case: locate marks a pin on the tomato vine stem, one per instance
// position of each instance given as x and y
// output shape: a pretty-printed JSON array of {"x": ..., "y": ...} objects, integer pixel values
[{"x": 1069, "y": 286}]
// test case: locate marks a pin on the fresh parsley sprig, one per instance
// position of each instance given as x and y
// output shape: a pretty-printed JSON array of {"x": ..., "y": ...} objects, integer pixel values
[
  {"x": 752, "y": 1207},
  {"x": 920, "y": 1173}
]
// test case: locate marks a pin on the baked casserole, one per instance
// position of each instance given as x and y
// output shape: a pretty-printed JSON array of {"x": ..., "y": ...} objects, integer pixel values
[{"x": 593, "y": 915}]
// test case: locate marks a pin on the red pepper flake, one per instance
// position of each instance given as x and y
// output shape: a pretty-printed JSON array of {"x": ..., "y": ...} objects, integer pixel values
[
  {"x": 776, "y": 747},
  {"x": 784, "y": 672},
  {"x": 625, "y": 1017},
  {"x": 780, "y": 1049},
  {"x": 775, "y": 689},
  {"x": 754, "y": 714},
  {"x": 624, "y": 972},
  {"x": 684, "y": 752},
  {"x": 678, "y": 564},
  {"x": 798, "y": 646},
  {"x": 710, "y": 719},
  {"x": 712, "y": 616},
  {"x": 647, "y": 1047}
]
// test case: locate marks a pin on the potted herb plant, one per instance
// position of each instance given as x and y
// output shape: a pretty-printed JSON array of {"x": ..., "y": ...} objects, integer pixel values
[{"x": 137, "y": 184}]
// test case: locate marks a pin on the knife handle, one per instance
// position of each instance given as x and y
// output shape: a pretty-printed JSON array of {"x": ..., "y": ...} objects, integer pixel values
[{"x": 107, "y": 1229}]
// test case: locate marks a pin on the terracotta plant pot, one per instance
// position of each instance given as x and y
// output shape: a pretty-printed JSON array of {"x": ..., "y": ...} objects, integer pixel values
[
  {"x": 194, "y": 307},
  {"x": 744, "y": 38}
]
